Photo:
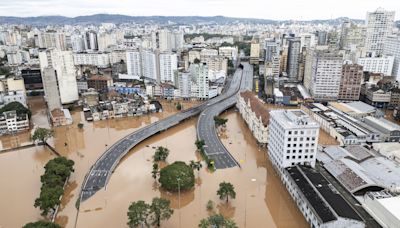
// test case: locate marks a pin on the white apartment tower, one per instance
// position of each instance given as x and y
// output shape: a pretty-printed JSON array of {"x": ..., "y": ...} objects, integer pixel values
[
  {"x": 63, "y": 63},
  {"x": 168, "y": 67},
  {"x": 382, "y": 64},
  {"x": 379, "y": 25},
  {"x": 185, "y": 83},
  {"x": 149, "y": 62},
  {"x": 293, "y": 138},
  {"x": 200, "y": 87},
  {"x": 392, "y": 48},
  {"x": 133, "y": 63},
  {"x": 323, "y": 73}
]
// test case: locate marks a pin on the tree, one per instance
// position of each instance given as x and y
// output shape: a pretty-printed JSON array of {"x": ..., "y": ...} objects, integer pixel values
[
  {"x": 49, "y": 199},
  {"x": 219, "y": 121},
  {"x": 210, "y": 205},
  {"x": 161, "y": 154},
  {"x": 170, "y": 174},
  {"x": 160, "y": 210},
  {"x": 18, "y": 107},
  {"x": 179, "y": 106},
  {"x": 217, "y": 221},
  {"x": 42, "y": 134},
  {"x": 196, "y": 61},
  {"x": 226, "y": 190},
  {"x": 195, "y": 165},
  {"x": 155, "y": 171},
  {"x": 199, "y": 144},
  {"x": 41, "y": 224},
  {"x": 56, "y": 173},
  {"x": 138, "y": 213},
  {"x": 80, "y": 125}
]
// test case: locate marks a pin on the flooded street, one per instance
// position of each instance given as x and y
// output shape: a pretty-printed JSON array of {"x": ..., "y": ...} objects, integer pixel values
[
  {"x": 21, "y": 169},
  {"x": 261, "y": 200}
]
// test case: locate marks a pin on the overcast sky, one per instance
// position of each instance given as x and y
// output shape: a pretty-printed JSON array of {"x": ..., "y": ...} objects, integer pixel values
[{"x": 266, "y": 9}]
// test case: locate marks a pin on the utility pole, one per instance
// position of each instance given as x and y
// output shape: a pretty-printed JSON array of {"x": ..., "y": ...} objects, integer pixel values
[{"x": 179, "y": 199}]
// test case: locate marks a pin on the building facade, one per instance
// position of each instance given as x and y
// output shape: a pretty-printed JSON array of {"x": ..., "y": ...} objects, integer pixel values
[{"x": 350, "y": 84}]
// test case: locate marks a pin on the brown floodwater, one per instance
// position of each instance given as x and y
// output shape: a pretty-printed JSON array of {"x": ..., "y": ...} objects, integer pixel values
[
  {"x": 261, "y": 199},
  {"x": 21, "y": 169}
]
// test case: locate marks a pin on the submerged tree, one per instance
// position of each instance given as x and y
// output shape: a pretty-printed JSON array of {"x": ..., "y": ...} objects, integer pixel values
[{"x": 226, "y": 190}]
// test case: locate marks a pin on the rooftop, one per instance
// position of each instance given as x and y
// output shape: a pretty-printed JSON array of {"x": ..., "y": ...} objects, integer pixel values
[{"x": 256, "y": 106}]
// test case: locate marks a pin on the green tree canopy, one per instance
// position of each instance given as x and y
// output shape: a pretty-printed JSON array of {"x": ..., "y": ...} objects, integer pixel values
[
  {"x": 138, "y": 213},
  {"x": 41, "y": 224},
  {"x": 170, "y": 174},
  {"x": 56, "y": 173},
  {"x": 226, "y": 190},
  {"x": 219, "y": 121},
  {"x": 217, "y": 221},
  {"x": 161, "y": 154},
  {"x": 18, "y": 107},
  {"x": 42, "y": 134},
  {"x": 160, "y": 210}
]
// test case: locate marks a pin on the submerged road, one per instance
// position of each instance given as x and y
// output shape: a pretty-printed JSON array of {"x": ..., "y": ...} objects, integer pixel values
[
  {"x": 101, "y": 171},
  {"x": 206, "y": 131}
]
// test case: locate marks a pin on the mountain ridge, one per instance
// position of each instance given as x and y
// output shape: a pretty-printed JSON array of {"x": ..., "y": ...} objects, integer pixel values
[{"x": 118, "y": 19}]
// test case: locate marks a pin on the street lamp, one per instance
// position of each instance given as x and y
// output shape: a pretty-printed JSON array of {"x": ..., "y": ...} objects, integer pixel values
[{"x": 179, "y": 199}]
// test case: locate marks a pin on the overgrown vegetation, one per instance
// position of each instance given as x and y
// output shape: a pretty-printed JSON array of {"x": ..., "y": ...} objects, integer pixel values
[
  {"x": 177, "y": 176},
  {"x": 15, "y": 105},
  {"x": 56, "y": 173}
]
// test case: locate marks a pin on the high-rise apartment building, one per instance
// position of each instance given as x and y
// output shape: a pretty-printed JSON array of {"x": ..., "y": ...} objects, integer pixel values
[
  {"x": 185, "y": 84},
  {"x": 293, "y": 138},
  {"x": 51, "y": 89},
  {"x": 91, "y": 41},
  {"x": 322, "y": 74},
  {"x": 63, "y": 64},
  {"x": 133, "y": 63},
  {"x": 351, "y": 36},
  {"x": 350, "y": 84},
  {"x": 149, "y": 62},
  {"x": 379, "y": 25},
  {"x": 293, "y": 58},
  {"x": 392, "y": 48},
  {"x": 382, "y": 64},
  {"x": 52, "y": 40},
  {"x": 200, "y": 87},
  {"x": 271, "y": 49},
  {"x": 254, "y": 52},
  {"x": 168, "y": 67}
]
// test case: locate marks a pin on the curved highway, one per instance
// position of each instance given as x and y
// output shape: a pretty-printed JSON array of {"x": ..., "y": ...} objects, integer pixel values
[
  {"x": 206, "y": 131},
  {"x": 101, "y": 171}
]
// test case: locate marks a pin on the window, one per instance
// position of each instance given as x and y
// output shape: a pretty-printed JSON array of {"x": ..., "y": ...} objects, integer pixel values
[
  {"x": 287, "y": 157},
  {"x": 288, "y": 145},
  {"x": 290, "y": 132},
  {"x": 295, "y": 132},
  {"x": 289, "y": 139},
  {"x": 306, "y": 156},
  {"x": 299, "y": 157},
  {"x": 300, "y": 151},
  {"x": 295, "y": 139},
  {"x": 311, "y": 156},
  {"x": 293, "y": 157}
]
